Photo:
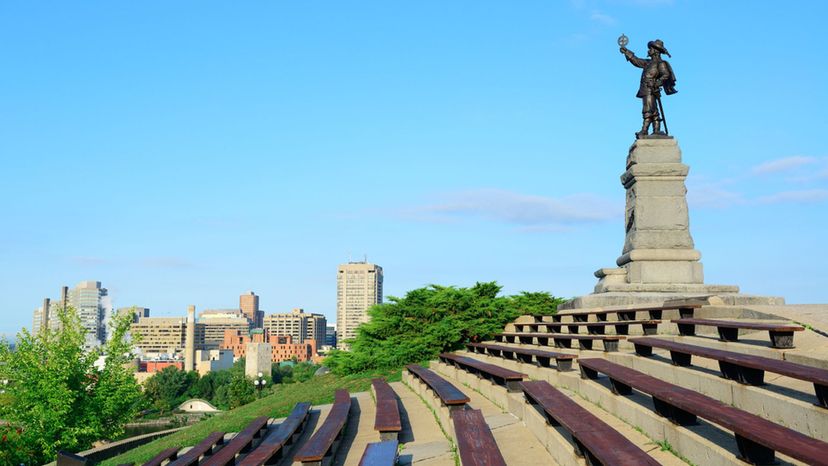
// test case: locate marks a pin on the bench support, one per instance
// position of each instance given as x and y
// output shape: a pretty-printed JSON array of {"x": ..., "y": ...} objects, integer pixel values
[
  {"x": 610, "y": 346},
  {"x": 582, "y": 344},
  {"x": 620, "y": 388},
  {"x": 781, "y": 339},
  {"x": 602, "y": 316},
  {"x": 681, "y": 359},
  {"x": 686, "y": 312},
  {"x": 754, "y": 453},
  {"x": 729, "y": 371},
  {"x": 674, "y": 414},
  {"x": 643, "y": 350},
  {"x": 622, "y": 329},
  {"x": 687, "y": 330},
  {"x": 655, "y": 314},
  {"x": 563, "y": 365},
  {"x": 629, "y": 315},
  {"x": 587, "y": 373},
  {"x": 583, "y": 452},
  {"x": 574, "y": 328},
  {"x": 650, "y": 329},
  {"x": 579, "y": 318},
  {"x": 563, "y": 343},
  {"x": 728, "y": 334},
  {"x": 822, "y": 394}
]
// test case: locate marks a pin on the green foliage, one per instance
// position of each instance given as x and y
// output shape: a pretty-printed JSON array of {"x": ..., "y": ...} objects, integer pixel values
[
  {"x": 57, "y": 399},
  {"x": 300, "y": 372},
  {"x": 170, "y": 387},
  {"x": 431, "y": 320}
]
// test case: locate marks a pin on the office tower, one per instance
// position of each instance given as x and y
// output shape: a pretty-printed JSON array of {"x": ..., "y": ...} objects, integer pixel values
[
  {"x": 91, "y": 302},
  {"x": 330, "y": 336},
  {"x": 249, "y": 305},
  {"x": 358, "y": 287},
  {"x": 216, "y": 321},
  {"x": 315, "y": 329},
  {"x": 164, "y": 336},
  {"x": 135, "y": 311},
  {"x": 297, "y": 324}
]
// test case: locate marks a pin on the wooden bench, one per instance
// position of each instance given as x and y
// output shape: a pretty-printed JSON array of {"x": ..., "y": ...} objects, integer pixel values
[
  {"x": 593, "y": 439},
  {"x": 168, "y": 454},
  {"x": 450, "y": 396},
  {"x": 563, "y": 361},
  {"x": 743, "y": 368},
  {"x": 380, "y": 453},
  {"x": 781, "y": 335},
  {"x": 686, "y": 308},
  {"x": 203, "y": 448},
  {"x": 622, "y": 327},
  {"x": 756, "y": 438},
  {"x": 325, "y": 441},
  {"x": 387, "y": 420},
  {"x": 274, "y": 446},
  {"x": 499, "y": 375},
  {"x": 561, "y": 340},
  {"x": 475, "y": 442},
  {"x": 241, "y": 443}
]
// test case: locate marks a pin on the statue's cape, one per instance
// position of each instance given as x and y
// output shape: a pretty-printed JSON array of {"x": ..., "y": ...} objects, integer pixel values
[{"x": 670, "y": 83}]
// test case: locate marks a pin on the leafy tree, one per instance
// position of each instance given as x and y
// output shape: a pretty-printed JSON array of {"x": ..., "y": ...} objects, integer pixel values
[
  {"x": 169, "y": 387},
  {"x": 57, "y": 399},
  {"x": 431, "y": 320}
]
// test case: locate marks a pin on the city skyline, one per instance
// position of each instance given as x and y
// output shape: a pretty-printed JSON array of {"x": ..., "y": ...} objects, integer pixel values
[{"x": 184, "y": 153}]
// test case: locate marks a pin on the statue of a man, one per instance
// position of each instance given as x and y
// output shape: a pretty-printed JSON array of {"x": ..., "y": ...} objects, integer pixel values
[{"x": 657, "y": 73}]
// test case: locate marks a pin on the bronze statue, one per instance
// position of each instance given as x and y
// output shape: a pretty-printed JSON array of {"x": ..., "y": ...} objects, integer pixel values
[{"x": 657, "y": 73}]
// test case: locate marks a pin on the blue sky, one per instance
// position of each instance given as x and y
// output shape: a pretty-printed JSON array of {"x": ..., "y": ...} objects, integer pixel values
[{"x": 185, "y": 152}]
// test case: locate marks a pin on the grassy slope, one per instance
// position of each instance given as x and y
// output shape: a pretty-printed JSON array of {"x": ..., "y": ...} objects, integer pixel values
[{"x": 319, "y": 390}]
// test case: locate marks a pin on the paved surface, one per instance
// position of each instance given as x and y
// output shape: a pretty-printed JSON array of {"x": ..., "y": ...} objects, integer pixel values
[{"x": 424, "y": 442}]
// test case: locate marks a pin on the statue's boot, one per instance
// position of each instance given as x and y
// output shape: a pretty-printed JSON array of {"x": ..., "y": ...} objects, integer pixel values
[
  {"x": 643, "y": 133},
  {"x": 657, "y": 127}
]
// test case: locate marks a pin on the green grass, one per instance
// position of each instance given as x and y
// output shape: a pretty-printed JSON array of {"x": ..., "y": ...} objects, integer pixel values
[{"x": 318, "y": 390}]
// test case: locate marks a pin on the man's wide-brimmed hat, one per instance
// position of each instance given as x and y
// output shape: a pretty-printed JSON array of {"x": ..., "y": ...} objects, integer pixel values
[{"x": 659, "y": 45}]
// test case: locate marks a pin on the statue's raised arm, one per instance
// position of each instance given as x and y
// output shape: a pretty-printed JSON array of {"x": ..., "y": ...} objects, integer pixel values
[{"x": 657, "y": 74}]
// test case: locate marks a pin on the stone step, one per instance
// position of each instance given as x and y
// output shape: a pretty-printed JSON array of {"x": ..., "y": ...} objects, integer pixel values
[
  {"x": 423, "y": 442},
  {"x": 700, "y": 444}
]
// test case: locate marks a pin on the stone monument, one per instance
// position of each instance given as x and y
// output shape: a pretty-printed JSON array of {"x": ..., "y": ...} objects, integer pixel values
[{"x": 658, "y": 261}]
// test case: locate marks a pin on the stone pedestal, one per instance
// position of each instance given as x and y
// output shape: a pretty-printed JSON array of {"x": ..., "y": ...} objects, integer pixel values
[{"x": 658, "y": 260}]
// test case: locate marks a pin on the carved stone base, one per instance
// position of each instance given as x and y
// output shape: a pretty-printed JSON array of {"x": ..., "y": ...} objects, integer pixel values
[{"x": 714, "y": 294}]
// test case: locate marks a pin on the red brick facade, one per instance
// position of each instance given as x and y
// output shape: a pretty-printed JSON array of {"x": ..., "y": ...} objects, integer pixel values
[{"x": 282, "y": 345}]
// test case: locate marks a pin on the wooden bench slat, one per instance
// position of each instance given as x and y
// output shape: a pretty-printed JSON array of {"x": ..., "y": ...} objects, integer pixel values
[
  {"x": 322, "y": 441},
  {"x": 475, "y": 442},
  {"x": 666, "y": 306},
  {"x": 622, "y": 327},
  {"x": 563, "y": 361},
  {"x": 741, "y": 324},
  {"x": 500, "y": 375},
  {"x": 757, "y": 365},
  {"x": 562, "y": 340},
  {"x": 168, "y": 454},
  {"x": 754, "y": 435},
  {"x": 203, "y": 447},
  {"x": 380, "y": 454},
  {"x": 781, "y": 335},
  {"x": 387, "y": 419},
  {"x": 275, "y": 443},
  {"x": 241, "y": 442},
  {"x": 448, "y": 393},
  {"x": 600, "y": 440}
]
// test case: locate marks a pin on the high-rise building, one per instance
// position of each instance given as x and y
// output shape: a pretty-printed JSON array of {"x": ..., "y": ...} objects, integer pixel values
[
  {"x": 51, "y": 318},
  {"x": 249, "y": 305},
  {"x": 92, "y": 305},
  {"x": 299, "y": 325},
  {"x": 136, "y": 312},
  {"x": 330, "y": 336},
  {"x": 165, "y": 335},
  {"x": 358, "y": 287},
  {"x": 216, "y": 321}
]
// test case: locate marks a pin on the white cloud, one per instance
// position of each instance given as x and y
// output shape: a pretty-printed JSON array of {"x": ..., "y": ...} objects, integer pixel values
[
  {"x": 782, "y": 165},
  {"x": 805, "y": 196},
  {"x": 603, "y": 18},
  {"x": 528, "y": 212}
]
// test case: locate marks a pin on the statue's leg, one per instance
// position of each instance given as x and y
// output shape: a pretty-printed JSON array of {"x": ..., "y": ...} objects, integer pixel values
[
  {"x": 650, "y": 114},
  {"x": 645, "y": 113}
]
